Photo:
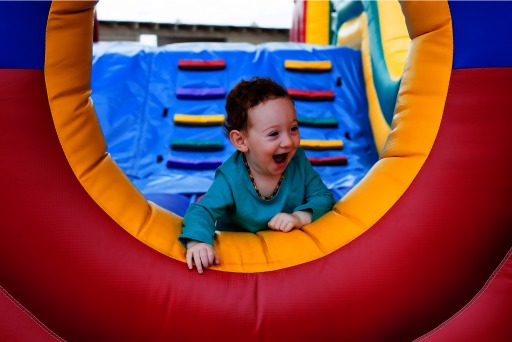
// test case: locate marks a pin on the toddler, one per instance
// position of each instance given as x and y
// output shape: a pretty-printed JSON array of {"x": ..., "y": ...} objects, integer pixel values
[{"x": 267, "y": 183}]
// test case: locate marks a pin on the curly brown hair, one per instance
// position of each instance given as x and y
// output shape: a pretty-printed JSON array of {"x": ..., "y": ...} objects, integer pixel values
[{"x": 246, "y": 95}]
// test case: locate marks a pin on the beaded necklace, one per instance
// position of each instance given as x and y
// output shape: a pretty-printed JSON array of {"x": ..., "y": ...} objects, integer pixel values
[{"x": 256, "y": 187}]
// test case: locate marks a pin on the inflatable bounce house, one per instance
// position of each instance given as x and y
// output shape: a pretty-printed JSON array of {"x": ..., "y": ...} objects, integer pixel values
[
  {"x": 418, "y": 248},
  {"x": 162, "y": 109}
]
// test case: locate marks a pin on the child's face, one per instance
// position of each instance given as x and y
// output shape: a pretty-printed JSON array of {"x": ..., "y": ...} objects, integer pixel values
[{"x": 272, "y": 136}]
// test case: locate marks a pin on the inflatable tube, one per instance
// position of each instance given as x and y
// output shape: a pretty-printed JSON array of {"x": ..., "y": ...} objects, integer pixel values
[
  {"x": 311, "y": 22},
  {"x": 308, "y": 66},
  {"x": 377, "y": 28},
  {"x": 197, "y": 145},
  {"x": 345, "y": 12},
  {"x": 321, "y": 144},
  {"x": 314, "y": 95},
  {"x": 178, "y": 163},
  {"x": 186, "y": 64},
  {"x": 199, "y": 120},
  {"x": 317, "y": 122},
  {"x": 200, "y": 93},
  {"x": 416, "y": 250},
  {"x": 328, "y": 161}
]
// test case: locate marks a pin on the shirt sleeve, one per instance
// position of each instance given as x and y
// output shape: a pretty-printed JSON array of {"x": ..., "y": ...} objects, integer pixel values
[
  {"x": 199, "y": 220},
  {"x": 319, "y": 200}
]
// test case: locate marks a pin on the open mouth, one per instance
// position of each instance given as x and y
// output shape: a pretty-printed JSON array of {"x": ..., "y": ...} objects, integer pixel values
[{"x": 280, "y": 158}]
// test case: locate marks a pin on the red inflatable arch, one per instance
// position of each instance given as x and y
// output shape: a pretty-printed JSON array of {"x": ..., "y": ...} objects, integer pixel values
[{"x": 420, "y": 248}]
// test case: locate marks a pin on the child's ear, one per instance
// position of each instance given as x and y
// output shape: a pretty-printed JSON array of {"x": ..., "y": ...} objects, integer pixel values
[{"x": 238, "y": 140}]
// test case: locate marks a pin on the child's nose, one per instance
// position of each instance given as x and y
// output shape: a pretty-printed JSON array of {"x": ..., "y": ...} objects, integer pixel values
[{"x": 286, "y": 140}]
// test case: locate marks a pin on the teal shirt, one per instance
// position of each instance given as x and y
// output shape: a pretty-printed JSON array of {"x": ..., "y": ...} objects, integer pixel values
[{"x": 232, "y": 201}]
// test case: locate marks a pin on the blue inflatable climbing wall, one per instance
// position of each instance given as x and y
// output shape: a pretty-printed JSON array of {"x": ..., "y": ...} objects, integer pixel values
[{"x": 138, "y": 91}]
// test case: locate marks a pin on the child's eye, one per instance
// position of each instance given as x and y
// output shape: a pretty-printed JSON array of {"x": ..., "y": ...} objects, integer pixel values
[
  {"x": 273, "y": 134},
  {"x": 294, "y": 129}
]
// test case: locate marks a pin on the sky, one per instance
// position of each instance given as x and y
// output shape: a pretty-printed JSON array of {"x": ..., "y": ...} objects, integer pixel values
[{"x": 260, "y": 13}]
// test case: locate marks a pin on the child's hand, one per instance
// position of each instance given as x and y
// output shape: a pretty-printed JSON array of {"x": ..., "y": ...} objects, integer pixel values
[
  {"x": 286, "y": 222},
  {"x": 202, "y": 254},
  {"x": 283, "y": 222}
]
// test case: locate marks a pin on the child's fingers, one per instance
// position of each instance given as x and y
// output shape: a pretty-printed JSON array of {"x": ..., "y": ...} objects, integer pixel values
[
  {"x": 189, "y": 259},
  {"x": 273, "y": 227},
  {"x": 211, "y": 256},
  {"x": 197, "y": 260},
  {"x": 283, "y": 226},
  {"x": 283, "y": 222},
  {"x": 204, "y": 258},
  {"x": 275, "y": 222}
]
